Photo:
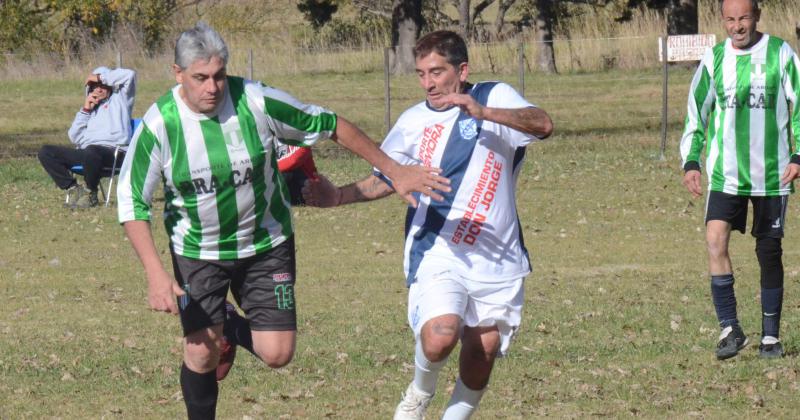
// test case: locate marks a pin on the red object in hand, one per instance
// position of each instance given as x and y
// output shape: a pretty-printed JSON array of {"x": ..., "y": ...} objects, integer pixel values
[{"x": 299, "y": 158}]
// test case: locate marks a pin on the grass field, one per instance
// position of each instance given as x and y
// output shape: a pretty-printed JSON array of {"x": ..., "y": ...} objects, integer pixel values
[{"x": 618, "y": 318}]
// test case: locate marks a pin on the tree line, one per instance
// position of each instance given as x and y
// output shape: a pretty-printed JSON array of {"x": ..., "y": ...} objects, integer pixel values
[
  {"x": 410, "y": 17},
  {"x": 71, "y": 26}
]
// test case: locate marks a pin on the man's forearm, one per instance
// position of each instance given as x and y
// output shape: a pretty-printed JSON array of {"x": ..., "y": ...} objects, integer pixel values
[
  {"x": 355, "y": 140},
  {"x": 367, "y": 189},
  {"x": 529, "y": 120},
  {"x": 138, "y": 232}
]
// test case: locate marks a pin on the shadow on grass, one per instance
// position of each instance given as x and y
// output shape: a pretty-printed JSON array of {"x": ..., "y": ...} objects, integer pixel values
[{"x": 14, "y": 145}]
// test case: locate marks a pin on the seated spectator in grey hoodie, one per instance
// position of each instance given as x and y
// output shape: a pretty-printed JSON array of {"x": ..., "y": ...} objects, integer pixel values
[{"x": 103, "y": 123}]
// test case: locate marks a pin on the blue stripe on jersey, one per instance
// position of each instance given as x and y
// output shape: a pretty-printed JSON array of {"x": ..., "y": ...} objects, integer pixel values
[
  {"x": 519, "y": 155},
  {"x": 455, "y": 160}
]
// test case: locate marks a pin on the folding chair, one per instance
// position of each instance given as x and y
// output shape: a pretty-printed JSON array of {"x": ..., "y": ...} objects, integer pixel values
[{"x": 109, "y": 171}]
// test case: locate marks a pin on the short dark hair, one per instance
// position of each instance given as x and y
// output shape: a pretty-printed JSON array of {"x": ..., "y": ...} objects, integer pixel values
[
  {"x": 753, "y": 3},
  {"x": 448, "y": 44}
]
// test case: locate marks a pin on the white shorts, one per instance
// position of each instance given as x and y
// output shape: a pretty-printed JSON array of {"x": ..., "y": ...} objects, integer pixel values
[{"x": 478, "y": 304}]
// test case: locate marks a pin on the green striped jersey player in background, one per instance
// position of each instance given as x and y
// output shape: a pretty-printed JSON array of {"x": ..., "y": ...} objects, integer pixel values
[
  {"x": 210, "y": 142},
  {"x": 743, "y": 113}
]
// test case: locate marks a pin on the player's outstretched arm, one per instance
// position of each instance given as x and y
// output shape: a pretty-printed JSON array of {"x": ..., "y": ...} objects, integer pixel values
[
  {"x": 322, "y": 192},
  {"x": 530, "y": 120},
  {"x": 527, "y": 120},
  {"x": 406, "y": 179},
  {"x": 161, "y": 288}
]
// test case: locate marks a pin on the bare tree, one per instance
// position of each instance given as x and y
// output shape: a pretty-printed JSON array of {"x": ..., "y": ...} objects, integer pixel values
[
  {"x": 463, "y": 18},
  {"x": 499, "y": 20},
  {"x": 502, "y": 8},
  {"x": 545, "y": 15},
  {"x": 406, "y": 25}
]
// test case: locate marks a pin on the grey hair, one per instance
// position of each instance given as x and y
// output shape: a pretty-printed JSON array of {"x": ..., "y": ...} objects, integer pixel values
[
  {"x": 199, "y": 43},
  {"x": 753, "y": 5}
]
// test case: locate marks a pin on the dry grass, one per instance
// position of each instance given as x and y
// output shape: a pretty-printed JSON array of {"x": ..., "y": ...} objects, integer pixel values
[{"x": 618, "y": 318}]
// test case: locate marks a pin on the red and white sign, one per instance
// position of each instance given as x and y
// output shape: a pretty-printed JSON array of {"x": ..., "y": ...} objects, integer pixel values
[{"x": 686, "y": 47}]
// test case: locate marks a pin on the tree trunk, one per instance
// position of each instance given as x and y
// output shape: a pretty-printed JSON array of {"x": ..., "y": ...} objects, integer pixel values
[
  {"x": 406, "y": 24},
  {"x": 463, "y": 19},
  {"x": 682, "y": 17},
  {"x": 544, "y": 36},
  {"x": 499, "y": 21}
]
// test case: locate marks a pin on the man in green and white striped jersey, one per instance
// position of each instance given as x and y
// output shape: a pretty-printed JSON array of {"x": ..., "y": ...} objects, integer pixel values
[
  {"x": 743, "y": 109},
  {"x": 210, "y": 142}
]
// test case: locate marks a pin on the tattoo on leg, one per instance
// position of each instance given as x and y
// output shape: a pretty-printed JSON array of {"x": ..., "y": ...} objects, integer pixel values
[{"x": 444, "y": 329}]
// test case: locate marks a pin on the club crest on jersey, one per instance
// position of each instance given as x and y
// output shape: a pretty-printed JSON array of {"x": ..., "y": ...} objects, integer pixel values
[
  {"x": 468, "y": 128},
  {"x": 233, "y": 136},
  {"x": 757, "y": 73}
]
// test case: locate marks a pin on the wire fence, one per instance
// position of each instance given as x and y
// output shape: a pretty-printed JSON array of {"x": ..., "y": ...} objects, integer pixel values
[
  {"x": 600, "y": 77},
  {"x": 573, "y": 55}
]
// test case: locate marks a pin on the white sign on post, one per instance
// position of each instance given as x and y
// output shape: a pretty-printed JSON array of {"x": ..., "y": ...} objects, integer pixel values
[
  {"x": 679, "y": 48},
  {"x": 686, "y": 47}
]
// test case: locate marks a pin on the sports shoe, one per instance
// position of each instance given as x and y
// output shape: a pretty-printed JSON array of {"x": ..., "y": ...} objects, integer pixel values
[
  {"x": 73, "y": 194},
  {"x": 770, "y": 348},
  {"x": 413, "y": 404},
  {"x": 86, "y": 199},
  {"x": 227, "y": 348},
  {"x": 731, "y": 340}
]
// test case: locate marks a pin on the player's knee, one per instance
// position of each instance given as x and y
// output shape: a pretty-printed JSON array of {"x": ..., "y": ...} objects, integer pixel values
[
  {"x": 483, "y": 353},
  {"x": 480, "y": 349},
  {"x": 439, "y": 336},
  {"x": 438, "y": 347},
  {"x": 769, "y": 253},
  {"x": 45, "y": 152},
  {"x": 717, "y": 248},
  {"x": 279, "y": 361},
  {"x": 200, "y": 359},
  {"x": 201, "y": 351},
  {"x": 275, "y": 358},
  {"x": 768, "y": 250}
]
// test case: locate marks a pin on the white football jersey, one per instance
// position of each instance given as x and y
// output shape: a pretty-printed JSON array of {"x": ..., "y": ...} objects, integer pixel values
[{"x": 475, "y": 230}]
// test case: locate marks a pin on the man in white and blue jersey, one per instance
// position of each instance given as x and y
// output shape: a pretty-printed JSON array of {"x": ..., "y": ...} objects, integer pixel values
[
  {"x": 743, "y": 109},
  {"x": 465, "y": 259},
  {"x": 210, "y": 143}
]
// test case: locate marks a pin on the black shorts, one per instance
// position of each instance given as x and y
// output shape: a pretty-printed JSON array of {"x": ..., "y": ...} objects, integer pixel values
[
  {"x": 295, "y": 180},
  {"x": 262, "y": 285},
  {"x": 769, "y": 213}
]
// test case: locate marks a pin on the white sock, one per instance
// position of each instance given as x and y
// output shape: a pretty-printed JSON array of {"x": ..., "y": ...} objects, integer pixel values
[
  {"x": 426, "y": 372},
  {"x": 463, "y": 403}
]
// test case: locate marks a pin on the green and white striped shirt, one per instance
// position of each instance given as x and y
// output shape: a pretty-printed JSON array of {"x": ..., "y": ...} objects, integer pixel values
[
  {"x": 743, "y": 103},
  {"x": 224, "y": 197}
]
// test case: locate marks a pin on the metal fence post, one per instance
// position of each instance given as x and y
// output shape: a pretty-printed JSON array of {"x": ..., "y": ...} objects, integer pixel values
[
  {"x": 387, "y": 99},
  {"x": 521, "y": 76},
  {"x": 250, "y": 64},
  {"x": 664, "y": 100}
]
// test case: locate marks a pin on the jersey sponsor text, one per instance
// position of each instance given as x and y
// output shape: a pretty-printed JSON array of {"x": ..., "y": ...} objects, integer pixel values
[
  {"x": 430, "y": 139},
  {"x": 479, "y": 203}
]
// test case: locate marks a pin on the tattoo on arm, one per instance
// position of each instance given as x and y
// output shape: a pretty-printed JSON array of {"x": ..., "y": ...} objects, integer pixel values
[
  {"x": 529, "y": 120},
  {"x": 367, "y": 189}
]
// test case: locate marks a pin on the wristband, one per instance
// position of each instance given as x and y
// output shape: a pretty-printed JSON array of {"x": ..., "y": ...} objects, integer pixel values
[{"x": 691, "y": 165}]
